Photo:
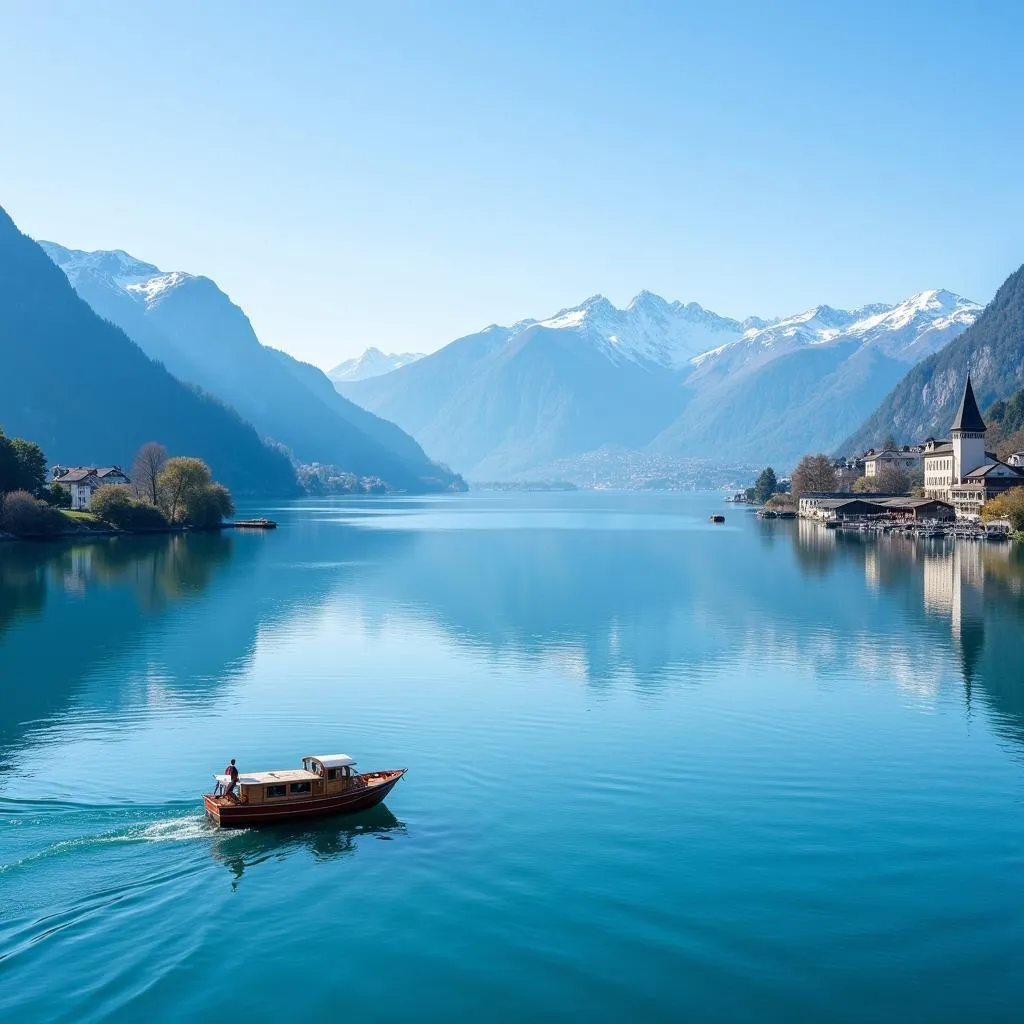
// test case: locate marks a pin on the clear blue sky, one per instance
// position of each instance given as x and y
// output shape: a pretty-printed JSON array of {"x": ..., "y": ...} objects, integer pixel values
[{"x": 399, "y": 174}]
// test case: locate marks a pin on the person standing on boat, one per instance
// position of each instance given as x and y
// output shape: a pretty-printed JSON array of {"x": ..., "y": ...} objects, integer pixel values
[{"x": 232, "y": 773}]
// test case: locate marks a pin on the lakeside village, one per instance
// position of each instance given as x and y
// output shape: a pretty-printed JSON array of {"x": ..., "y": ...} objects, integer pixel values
[{"x": 936, "y": 488}]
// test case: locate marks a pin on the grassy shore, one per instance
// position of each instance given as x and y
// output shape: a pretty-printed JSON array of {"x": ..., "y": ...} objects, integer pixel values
[{"x": 85, "y": 522}]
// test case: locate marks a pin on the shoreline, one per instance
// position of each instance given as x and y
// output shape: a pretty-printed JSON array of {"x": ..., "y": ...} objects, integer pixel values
[{"x": 105, "y": 533}]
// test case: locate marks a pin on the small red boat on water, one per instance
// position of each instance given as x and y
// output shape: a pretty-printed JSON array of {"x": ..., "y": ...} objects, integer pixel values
[{"x": 324, "y": 785}]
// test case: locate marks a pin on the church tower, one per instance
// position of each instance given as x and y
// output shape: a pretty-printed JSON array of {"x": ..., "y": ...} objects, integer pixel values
[{"x": 968, "y": 436}]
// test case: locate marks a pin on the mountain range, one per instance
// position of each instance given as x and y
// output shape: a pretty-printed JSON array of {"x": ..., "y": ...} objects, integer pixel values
[
  {"x": 372, "y": 363},
  {"x": 924, "y": 401},
  {"x": 664, "y": 377},
  {"x": 187, "y": 323},
  {"x": 79, "y": 387}
]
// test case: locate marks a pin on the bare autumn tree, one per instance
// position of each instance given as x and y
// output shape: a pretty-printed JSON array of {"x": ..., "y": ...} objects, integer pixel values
[
  {"x": 814, "y": 473},
  {"x": 148, "y": 464},
  {"x": 892, "y": 479}
]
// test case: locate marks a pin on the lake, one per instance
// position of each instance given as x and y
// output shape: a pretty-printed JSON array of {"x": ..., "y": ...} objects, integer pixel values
[{"x": 658, "y": 769}]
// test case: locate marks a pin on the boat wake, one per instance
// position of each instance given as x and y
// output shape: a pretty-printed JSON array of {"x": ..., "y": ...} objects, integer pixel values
[{"x": 162, "y": 830}]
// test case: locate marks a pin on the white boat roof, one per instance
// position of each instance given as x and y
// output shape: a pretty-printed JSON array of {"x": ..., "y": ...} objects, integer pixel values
[
  {"x": 333, "y": 760},
  {"x": 264, "y": 778}
]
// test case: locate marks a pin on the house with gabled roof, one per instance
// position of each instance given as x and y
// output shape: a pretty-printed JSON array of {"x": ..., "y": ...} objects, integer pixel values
[
  {"x": 908, "y": 458},
  {"x": 82, "y": 481}
]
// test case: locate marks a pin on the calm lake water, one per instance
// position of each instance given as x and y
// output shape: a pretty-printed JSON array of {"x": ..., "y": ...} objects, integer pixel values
[{"x": 658, "y": 769}]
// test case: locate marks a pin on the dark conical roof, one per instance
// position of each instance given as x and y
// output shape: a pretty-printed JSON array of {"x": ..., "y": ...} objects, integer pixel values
[{"x": 968, "y": 417}]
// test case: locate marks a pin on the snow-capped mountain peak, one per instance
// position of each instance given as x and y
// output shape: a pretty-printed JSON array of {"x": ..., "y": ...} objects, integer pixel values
[
  {"x": 907, "y": 331},
  {"x": 144, "y": 282},
  {"x": 650, "y": 330},
  {"x": 372, "y": 363},
  {"x": 646, "y": 300},
  {"x": 115, "y": 264}
]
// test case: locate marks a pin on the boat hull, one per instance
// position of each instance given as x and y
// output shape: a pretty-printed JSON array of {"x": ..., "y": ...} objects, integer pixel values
[{"x": 227, "y": 814}]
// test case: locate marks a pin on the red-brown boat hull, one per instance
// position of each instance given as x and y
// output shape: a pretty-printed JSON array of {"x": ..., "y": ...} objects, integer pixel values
[{"x": 241, "y": 815}]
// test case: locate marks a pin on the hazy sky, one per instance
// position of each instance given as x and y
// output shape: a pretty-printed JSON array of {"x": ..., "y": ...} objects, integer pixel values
[{"x": 399, "y": 174}]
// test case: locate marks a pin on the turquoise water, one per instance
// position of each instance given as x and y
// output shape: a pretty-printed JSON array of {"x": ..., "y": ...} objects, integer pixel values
[{"x": 658, "y": 769}]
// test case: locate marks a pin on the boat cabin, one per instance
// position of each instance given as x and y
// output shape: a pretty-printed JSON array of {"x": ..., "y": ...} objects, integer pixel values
[{"x": 324, "y": 776}]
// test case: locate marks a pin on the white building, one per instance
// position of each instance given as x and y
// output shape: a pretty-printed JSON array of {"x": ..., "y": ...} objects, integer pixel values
[
  {"x": 960, "y": 471},
  {"x": 82, "y": 482},
  {"x": 907, "y": 458}
]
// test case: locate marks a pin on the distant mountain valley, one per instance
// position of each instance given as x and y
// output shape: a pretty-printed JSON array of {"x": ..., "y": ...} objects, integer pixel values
[
  {"x": 658, "y": 393},
  {"x": 673, "y": 380}
]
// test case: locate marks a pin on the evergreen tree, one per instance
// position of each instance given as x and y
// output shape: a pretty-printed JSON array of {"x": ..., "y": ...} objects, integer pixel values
[
  {"x": 765, "y": 485},
  {"x": 22, "y": 465}
]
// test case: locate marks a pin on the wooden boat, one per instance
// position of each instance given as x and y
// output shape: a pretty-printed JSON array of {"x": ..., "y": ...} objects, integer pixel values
[
  {"x": 255, "y": 524},
  {"x": 324, "y": 785},
  {"x": 717, "y": 519}
]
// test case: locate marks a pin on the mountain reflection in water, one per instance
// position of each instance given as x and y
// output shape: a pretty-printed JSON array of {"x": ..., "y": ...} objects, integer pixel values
[{"x": 612, "y": 606}]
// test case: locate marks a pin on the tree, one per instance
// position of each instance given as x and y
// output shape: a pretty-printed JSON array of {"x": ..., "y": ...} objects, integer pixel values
[
  {"x": 22, "y": 465},
  {"x": 112, "y": 503},
  {"x": 765, "y": 485},
  {"x": 58, "y": 495},
  {"x": 188, "y": 494},
  {"x": 814, "y": 473},
  {"x": 24, "y": 515},
  {"x": 32, "y": 463},
  {"x": 146, "y": 468},
  {"x": 891, "y": 479},
  {"x": 1012, "y": 444},
  {"x": 206, "y": 508},
  {"x": 1009, "y": 505},
  {"x": 117, "y": 505},
  {"x": 862, "y": 485},
  {"x": 180, "y": 481},
  {"x": 889, "y": 443}
]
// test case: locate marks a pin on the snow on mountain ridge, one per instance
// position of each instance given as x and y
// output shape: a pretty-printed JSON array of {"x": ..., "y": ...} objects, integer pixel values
[
  {"x": 116, "y": 264},
  {"x": 908, "y": 330},
  {"x": 649, "y": 330},
  {"x": 372, "y": 363},
  {"x": 142, "y": 281},
  {"x": 674, "y": 335},
  {"x": 151, "y": 289},
  {"x": 936, "y": 305}
]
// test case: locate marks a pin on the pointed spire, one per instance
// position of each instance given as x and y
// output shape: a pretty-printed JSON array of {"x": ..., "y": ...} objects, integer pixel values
[{"x": 968, "y": 417}]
